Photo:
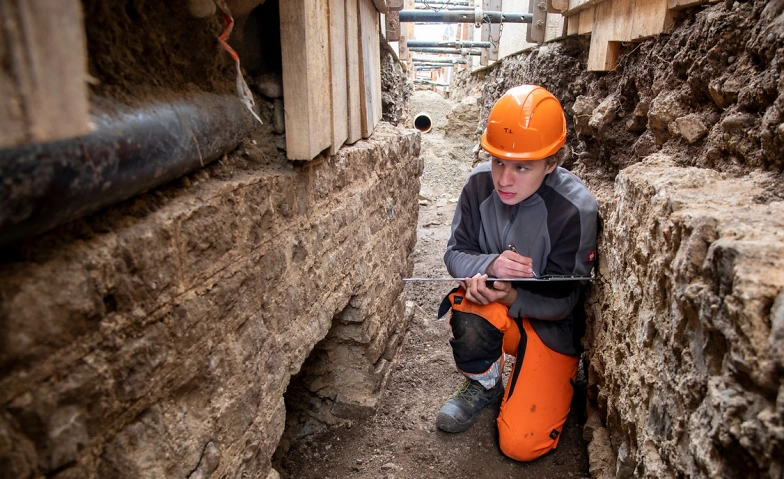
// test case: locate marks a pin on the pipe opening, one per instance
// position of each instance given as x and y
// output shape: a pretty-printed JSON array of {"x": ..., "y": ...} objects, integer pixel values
[{"x": 422, "y": 123}]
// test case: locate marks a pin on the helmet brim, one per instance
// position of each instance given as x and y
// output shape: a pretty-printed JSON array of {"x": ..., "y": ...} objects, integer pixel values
[{"x": 526, "y": 156}]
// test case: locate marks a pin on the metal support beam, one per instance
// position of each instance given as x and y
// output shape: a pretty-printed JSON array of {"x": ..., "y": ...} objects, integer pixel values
[
  {"x": 463, "y": 17},
  {"x": 430, "y": 82},
  {"x": 439, "y": 60},
  {"x": 448, "y": 51},
  {"x": 433, "y": 65},
  {"x": 457, "y": 44}
]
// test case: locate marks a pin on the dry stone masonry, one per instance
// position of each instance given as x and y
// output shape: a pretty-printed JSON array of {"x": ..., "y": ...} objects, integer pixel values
[{"x": 157, "y": 339}]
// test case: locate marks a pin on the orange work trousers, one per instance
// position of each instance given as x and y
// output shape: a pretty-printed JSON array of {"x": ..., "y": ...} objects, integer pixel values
[{"x": 539, "y": 390}]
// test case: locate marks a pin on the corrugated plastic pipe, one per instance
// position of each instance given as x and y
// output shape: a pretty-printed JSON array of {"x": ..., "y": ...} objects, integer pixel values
[{"x": 130, "y": 151}]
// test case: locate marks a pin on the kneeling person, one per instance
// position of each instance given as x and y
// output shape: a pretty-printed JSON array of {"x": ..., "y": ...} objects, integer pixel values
[{"x": 519, "y": 216}]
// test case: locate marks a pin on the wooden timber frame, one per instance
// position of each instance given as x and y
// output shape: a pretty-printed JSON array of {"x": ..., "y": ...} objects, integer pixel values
[
  {"x": 331, "y": 72},
  {"x": 612, "y": 22},
  {"x": 43, "y": 93}
]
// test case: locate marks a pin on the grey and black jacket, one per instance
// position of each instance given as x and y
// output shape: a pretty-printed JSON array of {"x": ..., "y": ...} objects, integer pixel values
[{"x": 556, "y": 227}]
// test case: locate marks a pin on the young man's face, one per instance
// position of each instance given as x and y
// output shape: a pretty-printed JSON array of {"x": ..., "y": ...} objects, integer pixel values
[{"x": 516, "y": 180}]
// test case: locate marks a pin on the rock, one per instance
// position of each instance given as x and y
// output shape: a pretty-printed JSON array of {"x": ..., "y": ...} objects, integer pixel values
[
  {"x": 664, "y": 109},
  {"x": 604, "y": 114},
  {"x": 269, "y": 85},
  {"x": 278, "y": 116},
  {"x": 583, "y": 110},
  {"x": 690, "y": 127}
]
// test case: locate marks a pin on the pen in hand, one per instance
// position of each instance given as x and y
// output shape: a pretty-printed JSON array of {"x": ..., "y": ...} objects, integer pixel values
[{"x": 514, "y": 250}]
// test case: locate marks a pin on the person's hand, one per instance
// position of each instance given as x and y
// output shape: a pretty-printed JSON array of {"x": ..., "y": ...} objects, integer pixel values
[
  {"x": 511, "y": 265},
  {"x": 479, "y": 292}
]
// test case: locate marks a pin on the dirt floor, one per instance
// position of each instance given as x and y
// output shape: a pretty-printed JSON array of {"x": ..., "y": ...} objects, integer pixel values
[{"x": 401, "y": 440}]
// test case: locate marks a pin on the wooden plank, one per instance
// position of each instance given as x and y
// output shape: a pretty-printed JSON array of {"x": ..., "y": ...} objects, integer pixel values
[
  {"x": 353, "y": 72},
  {"x": 370, "y": 67},
  {"x": 556, "y": 27},
  {"x": 603, "y": 53},
  {"x": 577, "y": 6},
  {"x": 304, "y": 38},
  {"x": 337, "y": 50},
  {"x": 585, "y": 25},
  {"x": 623, "y": 17},
  {"x": 43, "y": 94},
  {"x": 495, "y": 31},
  {"x": 651, "y": 17},
  {"x": 572, "y": 25},
  {"x": 557, "y": 6},
  {"x": 681, "y": 4}
]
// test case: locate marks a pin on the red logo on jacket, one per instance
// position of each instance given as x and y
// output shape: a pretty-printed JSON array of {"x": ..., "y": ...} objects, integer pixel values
[{"x": 591, "y": 256}]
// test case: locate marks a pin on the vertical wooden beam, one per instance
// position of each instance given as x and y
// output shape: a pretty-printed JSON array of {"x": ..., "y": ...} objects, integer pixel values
[
  {"x": 43, "y": 93},
  {"x": 353, "y": 72},
  {"x": 337, "y": 49},
  {"x": 304, "y": 38},
  {"x": 370, "y": 67},
  {"x": 603, "y": 53}
]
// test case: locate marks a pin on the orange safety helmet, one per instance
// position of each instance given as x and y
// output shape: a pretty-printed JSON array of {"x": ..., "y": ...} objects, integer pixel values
[{"x": 526, "y": 123}]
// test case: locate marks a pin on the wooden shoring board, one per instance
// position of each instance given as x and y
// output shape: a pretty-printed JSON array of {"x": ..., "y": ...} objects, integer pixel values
[
  {"x": 370, "y": 67},
  {"x": 353, "y": 71},
  {"x": 557, "y": 6},
  {"x": 555, "y": 27},
  {"x": 577, "y": 6},
  {"x": 338, "y": 64},
  {"x": 304, "y": 38},
  {"x": 603, "y": 53},
  {"x": 583, "y": 22},
  {"x": 651, "y": 17},
  {"x": 681, "y": 4},
  {"x": 43, "y": 95}
]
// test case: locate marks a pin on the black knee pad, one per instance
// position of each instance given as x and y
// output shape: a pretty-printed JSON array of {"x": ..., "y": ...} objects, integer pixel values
[{"x": 476, "y": 344}]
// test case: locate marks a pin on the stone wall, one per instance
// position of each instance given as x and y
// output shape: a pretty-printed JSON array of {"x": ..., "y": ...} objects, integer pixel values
[
  {"x": 157, "y": 338},
  {"x": 688, "y": 322},
  {"x": 681, "y": 145}
]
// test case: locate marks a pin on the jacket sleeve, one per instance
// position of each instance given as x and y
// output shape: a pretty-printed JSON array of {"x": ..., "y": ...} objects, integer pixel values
[
  {"x": 572, "y": 254},
  {"x": 463, "y": 257}
]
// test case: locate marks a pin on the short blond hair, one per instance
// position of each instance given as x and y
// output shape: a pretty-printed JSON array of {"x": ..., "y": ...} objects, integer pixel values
[{"x": 559, "y": 157}]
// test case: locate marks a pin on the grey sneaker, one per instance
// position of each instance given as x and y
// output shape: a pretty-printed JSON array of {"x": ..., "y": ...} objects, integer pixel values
[{"x": 462, "y": 409}]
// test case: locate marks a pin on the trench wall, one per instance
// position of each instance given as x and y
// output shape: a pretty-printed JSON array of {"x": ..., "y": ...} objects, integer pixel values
[
  {"x": 157, "y": 338},
  {"x": 681, "y": 146}
]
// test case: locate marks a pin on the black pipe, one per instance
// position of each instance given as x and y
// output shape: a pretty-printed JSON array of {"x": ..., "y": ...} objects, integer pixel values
[
  {"x": 45, "y": 185},
  {"x": 424, "y": 16}
]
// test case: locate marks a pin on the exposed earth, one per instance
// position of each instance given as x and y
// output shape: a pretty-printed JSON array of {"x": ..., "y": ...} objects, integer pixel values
[{"x": 401, "y": 440}]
